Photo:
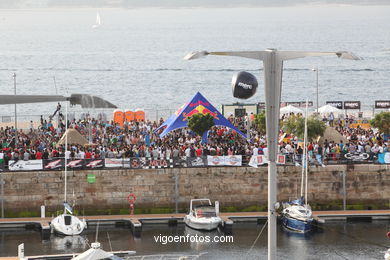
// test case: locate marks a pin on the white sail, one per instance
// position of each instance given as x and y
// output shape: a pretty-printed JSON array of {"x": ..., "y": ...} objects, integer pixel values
[{"x": 98, "y": 21}]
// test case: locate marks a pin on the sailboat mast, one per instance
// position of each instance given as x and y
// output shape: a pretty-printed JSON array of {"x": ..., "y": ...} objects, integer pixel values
[
  {"x": 305, "y": 140},
  {"x": 66, "y": 149}
]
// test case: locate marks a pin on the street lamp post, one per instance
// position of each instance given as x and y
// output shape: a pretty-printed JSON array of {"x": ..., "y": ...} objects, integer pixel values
[
  {"x": 316, "y": 70},
  {"x": 273, "y": 66},
  {"x": 16, "y": 117}
]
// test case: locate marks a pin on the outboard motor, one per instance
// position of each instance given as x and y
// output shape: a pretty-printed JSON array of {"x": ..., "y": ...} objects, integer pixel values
[{"x": 244, "y": 85}]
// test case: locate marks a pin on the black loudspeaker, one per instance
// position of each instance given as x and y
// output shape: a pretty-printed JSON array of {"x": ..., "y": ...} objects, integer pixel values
[{"x": 244, "y": 85}]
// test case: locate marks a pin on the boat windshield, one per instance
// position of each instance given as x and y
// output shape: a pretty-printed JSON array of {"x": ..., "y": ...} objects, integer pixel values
[{"x": 205, "y": 212}]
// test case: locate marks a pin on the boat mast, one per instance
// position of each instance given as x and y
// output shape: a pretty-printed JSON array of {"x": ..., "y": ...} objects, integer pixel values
[
  {"x": 66, "y": 149},
  {"x": 306, "y": 164}
]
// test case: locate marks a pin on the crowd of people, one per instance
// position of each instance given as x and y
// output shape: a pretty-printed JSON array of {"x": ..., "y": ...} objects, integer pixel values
[{"x": 140, "y": 139}]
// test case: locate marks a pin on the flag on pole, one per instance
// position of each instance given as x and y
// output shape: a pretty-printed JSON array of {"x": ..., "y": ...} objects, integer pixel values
[{"x": 68, "y": 208}]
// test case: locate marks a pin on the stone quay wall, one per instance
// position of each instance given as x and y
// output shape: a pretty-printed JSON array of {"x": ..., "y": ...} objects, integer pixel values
[{"x": 236, "y": 188}]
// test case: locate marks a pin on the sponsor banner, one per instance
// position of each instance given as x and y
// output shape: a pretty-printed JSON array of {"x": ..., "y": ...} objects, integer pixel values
[
  {"x": 137, "y": 163},
  {"x": 150, "y": 163},
  {"x": 258, "y": 160},
  {"x": 336, "y": 104},
  {"x": 382, "y": 104},
  {"x": 54, "y": 164},
  {"x": 233, "y": 160},
  {"x": 94, "y": 163},
  {"x": 281, "y": 159},
  {"x": 180, "y": 162},
  {"x": 153, "y": 163},
  {"x": 21, "y": 165},
  {"x": 197, "y": 161},
  {"x": 215, "y": 160},
  {"x": 77, "y": 164},
  {"x": 384, "y": 158},
  {"x": 351, "y": 104},
  {"x": 114, "y": 163}
]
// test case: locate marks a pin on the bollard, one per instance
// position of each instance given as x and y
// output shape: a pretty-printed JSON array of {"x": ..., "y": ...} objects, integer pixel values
[
  {"x": 21, "y": 250},
  {"x": 217, "y": 208},
  {"x": 42, "y": 211}
]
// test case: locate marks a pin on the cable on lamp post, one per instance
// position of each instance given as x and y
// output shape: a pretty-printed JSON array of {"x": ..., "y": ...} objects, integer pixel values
[{"x": 273, "y": 66}]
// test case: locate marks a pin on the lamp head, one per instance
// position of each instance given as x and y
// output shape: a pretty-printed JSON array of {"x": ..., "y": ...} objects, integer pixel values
[
  {"x": 347, "y": 55},
  {"x": 196, "y": 55}
]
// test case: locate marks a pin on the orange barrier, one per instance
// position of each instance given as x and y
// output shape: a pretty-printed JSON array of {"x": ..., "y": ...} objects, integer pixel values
[
  {"x": 119, "y": 117},
  {"x": 129, "y": 115},
  {"x": 139, "y": 115}
]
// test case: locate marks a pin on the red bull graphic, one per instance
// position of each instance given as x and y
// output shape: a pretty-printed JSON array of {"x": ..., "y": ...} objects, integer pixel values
[
  {"x": 197, "y": 105},
  {"x": 199, "y": 109}
]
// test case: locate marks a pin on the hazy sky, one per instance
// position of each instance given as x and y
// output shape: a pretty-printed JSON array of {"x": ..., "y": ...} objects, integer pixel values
[{"x": 174, "y": 3}]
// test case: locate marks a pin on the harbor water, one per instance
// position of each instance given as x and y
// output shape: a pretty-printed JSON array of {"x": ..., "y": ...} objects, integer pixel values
[
  {"x": 354, "y": 240},
  {"x": 135, "y": 58}
]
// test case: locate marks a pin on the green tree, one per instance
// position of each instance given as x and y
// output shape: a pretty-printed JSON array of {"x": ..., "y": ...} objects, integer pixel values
[
  {"x": 382, "y": 122},
  {"x": 200, "y": 123},
  {"x": 296, "y": 125},
  {"x": 260, "y": 122}
]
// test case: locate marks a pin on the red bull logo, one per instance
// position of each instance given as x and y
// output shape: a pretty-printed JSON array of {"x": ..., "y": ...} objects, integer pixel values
[{"x": 199, "y": 109}]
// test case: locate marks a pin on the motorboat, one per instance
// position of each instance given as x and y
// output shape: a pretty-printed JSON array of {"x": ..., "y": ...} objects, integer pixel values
[
  {"x": 297, "y": 216},
  {"x": 203, "y": 215}
]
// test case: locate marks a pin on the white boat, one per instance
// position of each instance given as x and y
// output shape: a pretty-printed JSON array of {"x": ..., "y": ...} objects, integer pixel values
[
  {"x": 98, "y": 21},
  {"x": 203, "y": 216},
  {"x": 296, "y": 214},
  {"x": 67, "y": 224}
]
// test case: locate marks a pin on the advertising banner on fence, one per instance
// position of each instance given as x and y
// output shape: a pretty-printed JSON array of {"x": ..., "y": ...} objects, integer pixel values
[
  {"x": 54, "y": 164},
  {"x": 75, "y": 164},
  {"x": 150, "y": 163},
  {"x": 114, "y": 163},
  {"x": 197, "y": 161},
  {"x": 94, "y": 163},
  {"x": 215, "y": 160},
  {"x": 21, "y": 165},
  {"x": 231, "y": 160},
  {"x": 255, "y": 161},
  {"x": 384, "y": 158}
]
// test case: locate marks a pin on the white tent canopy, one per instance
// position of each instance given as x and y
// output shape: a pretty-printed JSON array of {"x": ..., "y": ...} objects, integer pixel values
[
  {"x": 329, "y": 109},
  {"x": 94, "y": 253},
  {"x": 290, "y": 109}
]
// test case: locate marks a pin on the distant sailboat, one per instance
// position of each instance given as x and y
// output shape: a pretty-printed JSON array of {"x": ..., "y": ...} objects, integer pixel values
[{"x": 98, "y": 21}]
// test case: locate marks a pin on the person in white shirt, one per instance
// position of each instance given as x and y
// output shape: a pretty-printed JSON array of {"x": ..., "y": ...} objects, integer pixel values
[{"x": 255, "y": 151}]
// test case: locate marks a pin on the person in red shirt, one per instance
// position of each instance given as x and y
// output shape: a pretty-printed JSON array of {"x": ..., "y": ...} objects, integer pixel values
[
  {"x": 38, "y": 156},
  {"x": 198, "y": 152},
  {"x": 88, "y": 154}
]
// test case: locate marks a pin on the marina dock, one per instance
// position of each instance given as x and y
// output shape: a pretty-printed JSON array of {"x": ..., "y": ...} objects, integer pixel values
[{"x": 135, "y": 222}]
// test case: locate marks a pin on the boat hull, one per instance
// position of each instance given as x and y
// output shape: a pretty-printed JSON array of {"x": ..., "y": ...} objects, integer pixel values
[
  {"x": 203, "y": 223},
  {"x": 75, "y": 226},
  {"x": 297, "y": 225}
]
